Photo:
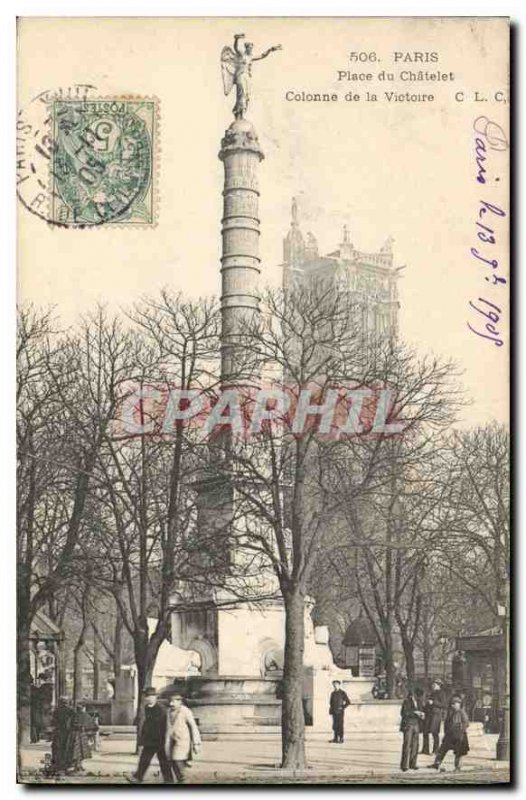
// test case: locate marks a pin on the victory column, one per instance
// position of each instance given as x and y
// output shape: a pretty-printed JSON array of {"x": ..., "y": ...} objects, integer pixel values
[
  {"x": 235, "y": 641},
  {"x": 240, "y": 153}
]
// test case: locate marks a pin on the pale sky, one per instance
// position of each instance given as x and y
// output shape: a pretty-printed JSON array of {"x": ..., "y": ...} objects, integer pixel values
[{"x": 401, "y": 169}]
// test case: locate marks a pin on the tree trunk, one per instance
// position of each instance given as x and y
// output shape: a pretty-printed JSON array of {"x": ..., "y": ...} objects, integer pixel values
[
  {"x": 96, "y": 666},
  {"x": 292, "y": 717},
  {"x": 144, "y": 679},
  {"x": 425, "y": 657},
  {"x": 409, "y": 653},
  {"x": 62, "y": 661},
  {"x": 78, "y": 663},
  {"x": 25, "y": 613},
  {"x": 427, "y": 652},
  {"x": 117, "y": 650},
  {"x": 389, "y": 663},
  {"x": 23, "y": 663},
  {"x": 426, "y": 641}
]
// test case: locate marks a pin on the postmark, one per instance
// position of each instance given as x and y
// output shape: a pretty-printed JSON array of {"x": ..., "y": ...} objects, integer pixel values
[{"x": 34, "y": 146}]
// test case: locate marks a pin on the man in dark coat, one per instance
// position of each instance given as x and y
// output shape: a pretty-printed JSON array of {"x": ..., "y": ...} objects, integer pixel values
[
  {"x": 455, "y": 734},
  {"x": 337, "y": 704},
  {"x": 434, "y": 712},
  {"x": 152, "y": 738},
  {"x": 411, "y": 716},
  {"x": 37, "y": 716}
]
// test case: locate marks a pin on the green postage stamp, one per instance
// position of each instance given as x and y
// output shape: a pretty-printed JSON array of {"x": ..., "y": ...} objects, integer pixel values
[{"x": 103, "y": 162}]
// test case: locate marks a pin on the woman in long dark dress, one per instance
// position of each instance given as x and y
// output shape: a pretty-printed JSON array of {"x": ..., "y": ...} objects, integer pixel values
[
  {"x": 61, "y": 741},
  {"x": 69, "y": 745},
  {"x": 455, "y": 734},
  {"x": 79, "y": 748}
]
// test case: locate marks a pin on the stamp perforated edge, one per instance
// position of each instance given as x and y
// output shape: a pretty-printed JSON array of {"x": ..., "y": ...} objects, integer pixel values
[{"x": 156, "y": 160}]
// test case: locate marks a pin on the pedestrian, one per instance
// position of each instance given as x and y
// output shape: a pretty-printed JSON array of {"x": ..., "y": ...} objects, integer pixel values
[
  {"x": 61, "y": 740},
  {"x": 455, "y": 734},
  {"x": 96, "y": 730},
  {"x": 78, "y": 745},
  {"x": 411, "y": 717},
  {"x": 86, "y": 722},
  {"x": 419, "y": 696},
  {"x": 182, "y": 736},
  {"x": 152, "y": 738},
  {"x": 434, "y": 712},
  {"x": 37, "y": 722},
  {"x": 337, "y": 704}
]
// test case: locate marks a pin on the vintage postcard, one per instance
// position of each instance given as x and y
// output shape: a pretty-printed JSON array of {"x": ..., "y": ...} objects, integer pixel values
[{"x": 263, "y": 400}]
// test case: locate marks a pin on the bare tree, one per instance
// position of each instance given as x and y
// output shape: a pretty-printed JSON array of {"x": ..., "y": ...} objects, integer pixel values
[
  {"x": 78, "y": 650},
  {"x": 36, "y": 401},
  {"x": 389, "y": 500},
  {"x": 449, "y": 608},
  {"x": 110, "y": 638},
  {"x": 67, "y": 397},
  {"x": 286, "y": 477},
  {"x": 144, "y": 503},
  {"x": 302, "y": 340},
  {"x": 476, "y": 522}
]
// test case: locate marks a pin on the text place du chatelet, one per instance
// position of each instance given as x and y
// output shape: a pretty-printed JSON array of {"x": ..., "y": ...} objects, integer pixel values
[{"x": 409, "y": 71}]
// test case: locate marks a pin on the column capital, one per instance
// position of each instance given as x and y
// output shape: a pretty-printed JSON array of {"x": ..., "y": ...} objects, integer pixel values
[{"x": 240, "y": 136}]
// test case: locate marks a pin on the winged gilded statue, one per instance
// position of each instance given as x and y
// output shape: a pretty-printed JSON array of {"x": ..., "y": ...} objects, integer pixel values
[{"x": 236, "y": 69}]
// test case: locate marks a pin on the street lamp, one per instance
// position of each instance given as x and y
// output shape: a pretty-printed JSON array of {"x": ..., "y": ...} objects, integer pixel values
[
  {"x": 503, "y": 742},
  {"x": 443, "y": 640}
]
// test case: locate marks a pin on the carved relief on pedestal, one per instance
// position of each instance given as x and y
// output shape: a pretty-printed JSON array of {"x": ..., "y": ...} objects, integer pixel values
[{"x": 206, "y": 661}]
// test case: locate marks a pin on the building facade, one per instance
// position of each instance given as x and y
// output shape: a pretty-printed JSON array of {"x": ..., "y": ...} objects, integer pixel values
[{"x": 371, "y": 278}]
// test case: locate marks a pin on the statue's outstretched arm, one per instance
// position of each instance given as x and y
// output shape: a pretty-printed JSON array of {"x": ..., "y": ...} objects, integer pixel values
[
  {"x": 237, "y": 46},
  {"x": 267, "y": 52}
]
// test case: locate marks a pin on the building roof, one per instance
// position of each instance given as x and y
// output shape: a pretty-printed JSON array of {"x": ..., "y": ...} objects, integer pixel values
[
  {"x": 44, "y": 628},
  {"x": 491, "y": 639},
  {"x": 359, "y": 634}
]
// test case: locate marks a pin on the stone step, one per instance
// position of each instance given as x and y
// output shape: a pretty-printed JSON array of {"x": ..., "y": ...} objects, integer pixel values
[{"x": 263, "y": 732}]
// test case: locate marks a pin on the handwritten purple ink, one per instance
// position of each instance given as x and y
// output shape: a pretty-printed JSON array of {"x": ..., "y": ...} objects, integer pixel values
[{"x": 489, "y": 136}]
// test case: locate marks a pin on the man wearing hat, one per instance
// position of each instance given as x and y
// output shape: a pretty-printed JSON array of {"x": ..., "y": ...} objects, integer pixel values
[
  {"x": 152, "y": 738},
  {"x": 434, "y": 711},
  {"x": 338, "y": 702},
  {"x": 455, "y": 735},
  {"x": 411, "y": 716}
]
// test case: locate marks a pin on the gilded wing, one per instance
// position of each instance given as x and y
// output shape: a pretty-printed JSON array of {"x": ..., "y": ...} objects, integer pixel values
[{"x": 228, "y": 67}]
